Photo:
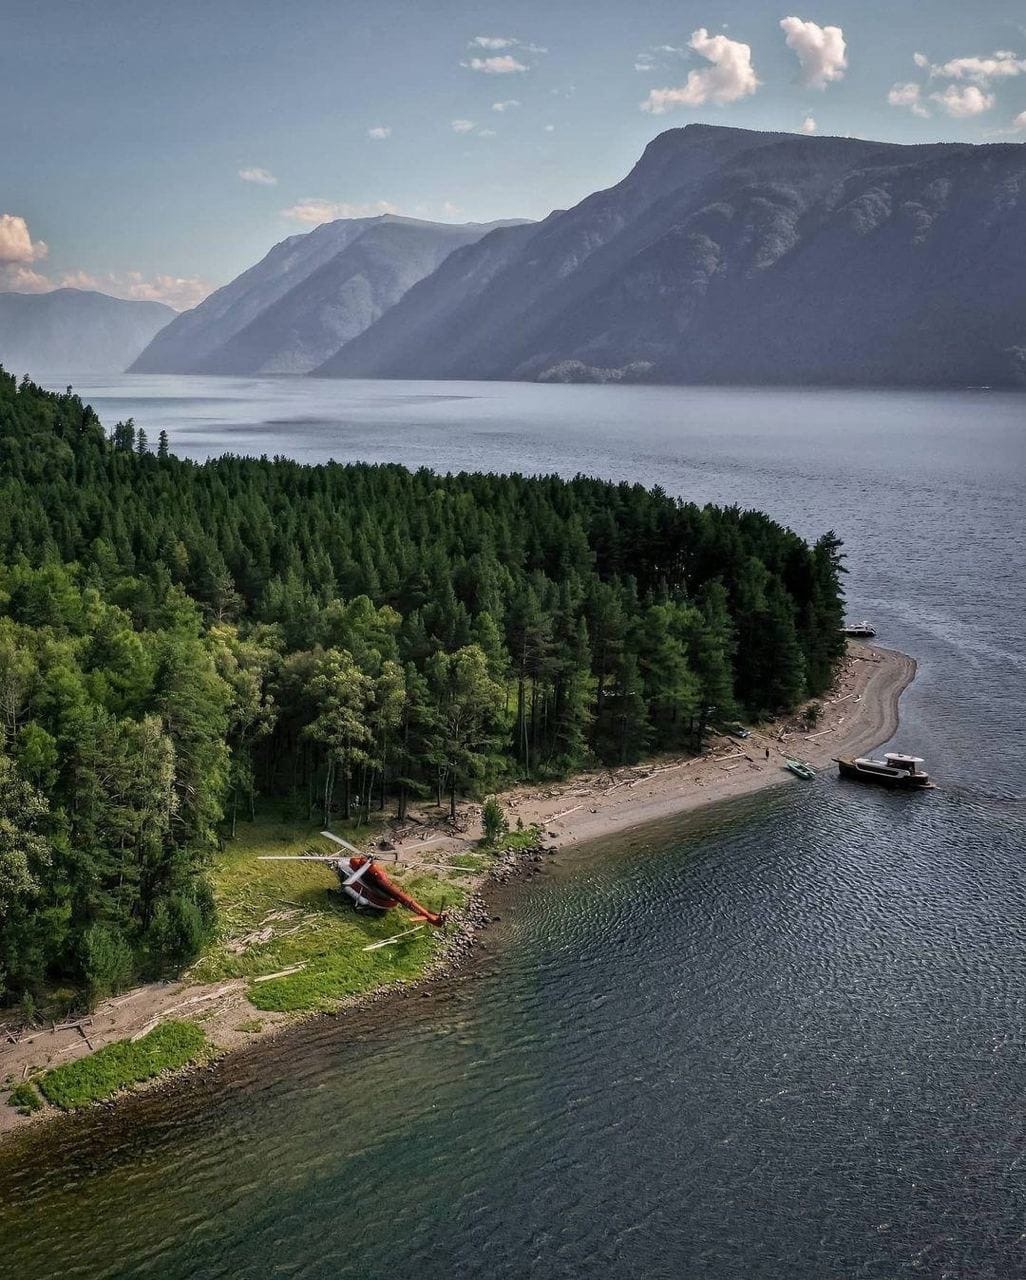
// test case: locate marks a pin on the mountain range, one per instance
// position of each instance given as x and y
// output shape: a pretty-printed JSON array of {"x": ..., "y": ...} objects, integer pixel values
[
  {"x": 309, "y": 296},
  {"x": 724, "y": 256},
  {"x": 731, "y": 256},
  {"x": 75, "y": 331}
]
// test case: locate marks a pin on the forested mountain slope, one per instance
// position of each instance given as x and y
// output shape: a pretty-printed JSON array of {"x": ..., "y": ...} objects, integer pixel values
[
  {"x": 308, "y": 296},
  {"x": 733, "y": 256},
  {"x": 176, "y": 637},
  {"x": 75, "y": 331}
]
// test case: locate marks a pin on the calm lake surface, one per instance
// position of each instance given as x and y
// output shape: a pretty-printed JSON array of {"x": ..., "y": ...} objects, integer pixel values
[{"x": 781, "y": 1038}]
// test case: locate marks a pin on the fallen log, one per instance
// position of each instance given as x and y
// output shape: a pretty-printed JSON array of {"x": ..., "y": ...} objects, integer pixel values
[{"x": 282, "y": 973}]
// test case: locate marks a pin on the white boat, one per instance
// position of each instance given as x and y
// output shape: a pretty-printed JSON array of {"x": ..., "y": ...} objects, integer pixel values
[{"x": 894, "y": 770}]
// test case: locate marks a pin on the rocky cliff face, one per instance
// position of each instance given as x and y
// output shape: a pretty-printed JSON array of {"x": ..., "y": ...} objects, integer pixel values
[
  {"x": 733, "y": 256},
  {"x": 75, "y": 331},
  {"x": 307, "y": 297}
]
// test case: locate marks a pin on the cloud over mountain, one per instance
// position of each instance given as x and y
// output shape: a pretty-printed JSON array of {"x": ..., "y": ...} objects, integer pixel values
[
  {"x": 314, "y": 212},
  {"x": 729, "y": 76},
  {"x": 821, "y": 51},
  {"x": 18, "y": 251}
]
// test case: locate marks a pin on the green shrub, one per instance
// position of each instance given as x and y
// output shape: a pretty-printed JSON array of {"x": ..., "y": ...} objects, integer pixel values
[
  {"x": 493, "y": 821},
  {"x": 172, "y": 1044},
  {"x": 107, "y": 962},
  {"x": 25, "y": 1098},
  {"x": 180, "y": 926}
]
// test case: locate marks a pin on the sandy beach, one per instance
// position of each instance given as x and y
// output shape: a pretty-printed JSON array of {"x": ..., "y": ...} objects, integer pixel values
[{"x": 861, "y": 712}]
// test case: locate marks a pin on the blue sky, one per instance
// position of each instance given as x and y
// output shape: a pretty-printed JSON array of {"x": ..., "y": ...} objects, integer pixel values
[{"x": 127, "y": 123}]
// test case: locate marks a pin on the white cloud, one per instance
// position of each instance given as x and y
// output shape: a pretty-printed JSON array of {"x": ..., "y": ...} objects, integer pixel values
[
  {"x": 970, "y": 79},
  {"x": 550, "y": 128},
  {"x": 16, "y": 278},
  {"x": 451, "y": 210},
  {"x": 463, "y": 126},
  {"x": 729, "y": 76},
  {"x": 506, "y": 105},
  {"x": 1019, "y": 123},
  {"x": 262, "y": 177},
  {"x": 908, "y": 95},
  {"x": 493, "y": 42},
  {"x": 18, "y": 251},
  {"x": 963, "y": 101},
  {"x": 503, "y": 65},
  {"x": 649, "y": 58},
  {"x": 486, "y": 133},
  {"x": 16, "y": 244},
  {"x": 809, "y": 125},
  {"x": 821, "y": 51},
  {"x": 318, "y": 211},
  {"x": 379, "y": 132},
  {"x": 180, "y": 292},
  {"x": 1000, "y": 65}
]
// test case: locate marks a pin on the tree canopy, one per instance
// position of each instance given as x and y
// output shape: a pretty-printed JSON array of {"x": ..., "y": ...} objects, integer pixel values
[{"x": 176, "y": 638}]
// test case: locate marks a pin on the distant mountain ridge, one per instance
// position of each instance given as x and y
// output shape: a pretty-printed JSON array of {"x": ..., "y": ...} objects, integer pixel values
[
  {"x": 75, "y": 331},
  {"x": 307, "y": 297},
  {"x": 728, "y": 255}
]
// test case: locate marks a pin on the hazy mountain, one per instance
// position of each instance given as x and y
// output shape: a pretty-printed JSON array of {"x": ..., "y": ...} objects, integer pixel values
[
  {"x": 307, "y": 297},
  {"x": 733, "y": 256},
  {"x": 75, "y": 331}
]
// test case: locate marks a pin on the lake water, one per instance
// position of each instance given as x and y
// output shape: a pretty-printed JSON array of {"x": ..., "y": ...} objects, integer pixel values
[{"x": 783, "y": 1037}]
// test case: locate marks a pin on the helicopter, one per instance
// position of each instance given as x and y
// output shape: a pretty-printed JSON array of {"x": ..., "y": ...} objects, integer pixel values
[{"x": 362, "y": 880}]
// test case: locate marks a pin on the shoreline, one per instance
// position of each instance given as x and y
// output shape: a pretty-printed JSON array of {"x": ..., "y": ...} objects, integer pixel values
[{"x": 861, "y": 712}]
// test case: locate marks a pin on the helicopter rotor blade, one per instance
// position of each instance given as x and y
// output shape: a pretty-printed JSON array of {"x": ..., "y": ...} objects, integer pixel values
[
  {"x": 330, "y": 835},
  {"x": 297, "y": 857},
  {"x": 357, "y": 875}
]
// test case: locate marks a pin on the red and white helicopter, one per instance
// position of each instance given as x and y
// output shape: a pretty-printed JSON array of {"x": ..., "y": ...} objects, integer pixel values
[{"x": 362, "y": 880}]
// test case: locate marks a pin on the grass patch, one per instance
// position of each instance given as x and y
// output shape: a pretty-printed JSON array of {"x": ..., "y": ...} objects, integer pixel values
[
  {"x": 25, "y": 1098},
  {"x": 172, "y": 1044},
  {"x": 251, "y": 1027},
  {"x": 525, "y": 838},
  {"x": 471, "y": 861},
  {"x": 274, "y": 915}
]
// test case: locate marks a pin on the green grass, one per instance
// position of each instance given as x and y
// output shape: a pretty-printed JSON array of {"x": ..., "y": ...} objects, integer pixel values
[
  {"x": 306, "y": 921},
  {"x": 25, "y": 1098},
  {"x": 470, "y": 861},
  {"x": 523, "y": 839},
  {"x": 101, "y": 1074}
]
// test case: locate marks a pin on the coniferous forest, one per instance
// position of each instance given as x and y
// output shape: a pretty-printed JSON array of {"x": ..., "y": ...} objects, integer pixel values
[{"x": 177, "y": 640}]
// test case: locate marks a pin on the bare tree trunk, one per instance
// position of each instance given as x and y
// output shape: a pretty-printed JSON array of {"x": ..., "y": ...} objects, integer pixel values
[{"x": 327, "y": 791}]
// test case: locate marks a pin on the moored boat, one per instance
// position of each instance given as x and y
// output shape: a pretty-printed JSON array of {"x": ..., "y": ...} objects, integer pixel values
[
  {"x": 800, "y": 769},
  {"x": 894, "y": 770},
  {"x": 864, "y": 630}
]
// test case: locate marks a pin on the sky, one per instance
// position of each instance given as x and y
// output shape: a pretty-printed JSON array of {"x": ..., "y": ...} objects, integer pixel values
[{"x": 156, "y": 148}]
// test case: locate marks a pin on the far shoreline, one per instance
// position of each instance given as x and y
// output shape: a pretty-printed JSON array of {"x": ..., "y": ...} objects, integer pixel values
[{"x": 860, "y": 713}]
